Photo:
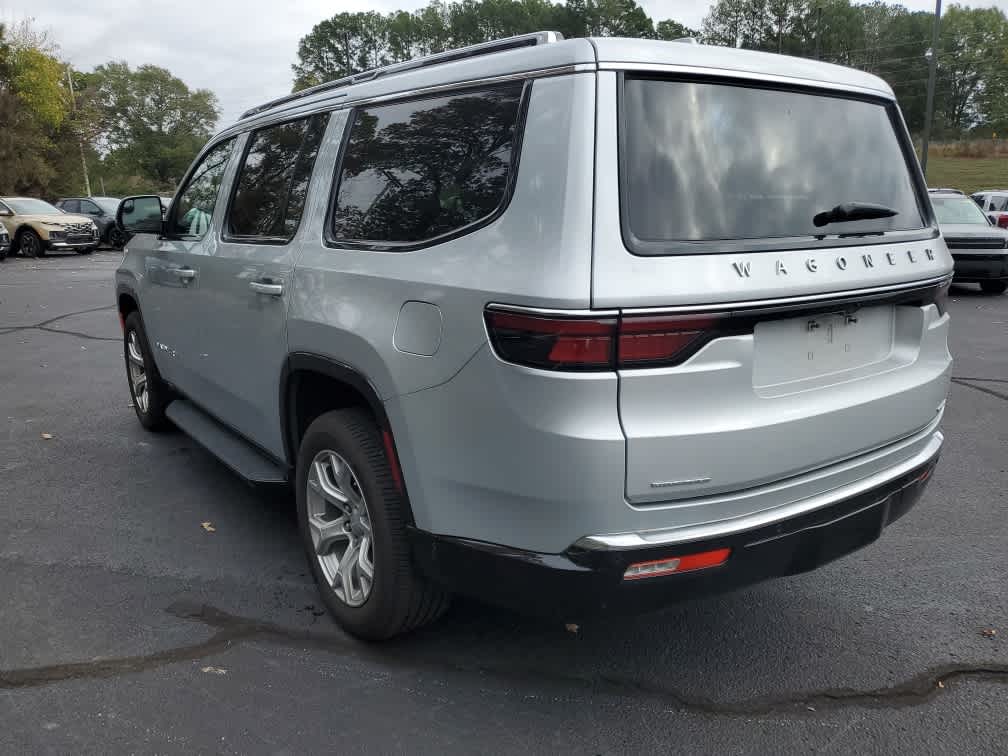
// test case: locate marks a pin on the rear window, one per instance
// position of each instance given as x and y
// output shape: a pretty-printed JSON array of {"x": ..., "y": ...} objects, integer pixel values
[
  {"x": 958, "y": 210},
  {"x": 703, "y": 163}
]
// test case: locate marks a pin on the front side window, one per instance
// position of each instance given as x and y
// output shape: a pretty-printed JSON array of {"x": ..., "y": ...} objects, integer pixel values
[
  {"x": 194, "y": 209},
  {"x": 416, "y": 171},
  {"x": 706, "y": 162},
  {"x": 272, "y": 184},
  {"x": 958, "y": 210},
  {"x": 89, "y": 208}
]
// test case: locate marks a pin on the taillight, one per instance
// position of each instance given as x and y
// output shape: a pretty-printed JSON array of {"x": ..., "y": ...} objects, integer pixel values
[
  {"x": 597, "y": 343},
  {"x": 1002, "y": 220}
]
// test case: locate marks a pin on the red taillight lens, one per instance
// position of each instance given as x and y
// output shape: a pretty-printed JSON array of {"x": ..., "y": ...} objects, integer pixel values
[
  {"x": 605, "y": 343},
  {"x": 700, "y": 561},
  {"x": 650, "y": 341},
  {"x": 1002, "y": 220},
  {"x": 553, "y": 343}
]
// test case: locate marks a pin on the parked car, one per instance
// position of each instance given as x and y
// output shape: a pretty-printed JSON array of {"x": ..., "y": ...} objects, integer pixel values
[
  {"x": 572, "y": 326},
  {"x": 5, "y": 243},
  {"x": 101, "y": 210},
  {"x": 994, "y": 202},
  {"x": 36, "y": 227},
  {"x": 978, "y": 247}
]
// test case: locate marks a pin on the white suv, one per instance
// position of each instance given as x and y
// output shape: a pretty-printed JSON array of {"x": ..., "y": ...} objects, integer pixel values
[{"x": 573, "y": 326}]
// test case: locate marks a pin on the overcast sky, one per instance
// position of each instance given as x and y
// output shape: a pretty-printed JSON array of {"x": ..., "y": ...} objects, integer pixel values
[{"x": 242, "y": 50}]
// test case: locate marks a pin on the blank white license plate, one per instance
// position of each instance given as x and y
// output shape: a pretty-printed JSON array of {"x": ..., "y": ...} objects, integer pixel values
[{"x": 808, "y": 347}]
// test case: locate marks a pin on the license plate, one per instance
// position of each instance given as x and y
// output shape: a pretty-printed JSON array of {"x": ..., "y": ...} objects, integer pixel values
[{"x": 800, "y": 348}]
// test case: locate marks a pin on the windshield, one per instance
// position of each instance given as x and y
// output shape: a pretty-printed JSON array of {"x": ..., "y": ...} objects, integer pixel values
[
  {"x": 958, "y": 210},
  {"x": 703, "y": 162},
  {"x": 31, "y": 207},
  {"x": 108, "y": 204}
]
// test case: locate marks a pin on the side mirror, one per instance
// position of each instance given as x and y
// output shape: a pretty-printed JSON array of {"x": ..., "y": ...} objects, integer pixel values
[
  {"x": 140, "y": 215},
  {"x": 6, "y": 213}
]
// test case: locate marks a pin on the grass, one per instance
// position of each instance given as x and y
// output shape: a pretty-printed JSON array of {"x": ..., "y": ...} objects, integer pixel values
[{"x": 967, "y": 174}]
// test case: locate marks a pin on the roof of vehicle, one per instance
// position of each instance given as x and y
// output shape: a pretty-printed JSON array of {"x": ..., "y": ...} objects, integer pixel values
[
  {"x": 945, "y": 190},
  {"x": 549, "y": 52},
  {"x": 990, "y": 191}
]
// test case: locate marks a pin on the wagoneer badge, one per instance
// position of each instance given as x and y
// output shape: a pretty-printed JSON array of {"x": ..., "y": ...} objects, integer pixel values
[{"x": 812, "y": 264}]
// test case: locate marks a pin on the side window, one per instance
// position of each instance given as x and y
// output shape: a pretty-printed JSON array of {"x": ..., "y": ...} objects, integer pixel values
[
  {"x": 89, "y": 208},
  {"x": 70, "y": 206},
  {"x": 415, "y": 171},
  {"x": 272, "y": 183},
  {"x": 194, "y": 205},
  {"x": 999, "y": 203}
]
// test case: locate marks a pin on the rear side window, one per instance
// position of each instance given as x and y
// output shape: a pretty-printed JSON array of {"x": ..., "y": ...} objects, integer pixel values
[
  {"x": 420, "y": 171},
  {"x": 704, "y": 163},
  {"x": 272, "y": 183}
]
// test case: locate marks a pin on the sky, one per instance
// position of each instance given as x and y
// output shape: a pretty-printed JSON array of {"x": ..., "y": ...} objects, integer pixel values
[{"x": 242, "y": 50}]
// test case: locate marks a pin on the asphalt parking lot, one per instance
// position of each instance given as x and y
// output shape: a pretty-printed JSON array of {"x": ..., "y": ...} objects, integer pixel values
[{"x": 127, "y": 626}]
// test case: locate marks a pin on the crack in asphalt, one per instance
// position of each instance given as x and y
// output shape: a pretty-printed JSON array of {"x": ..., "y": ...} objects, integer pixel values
[
  {"x": 44, "y": 325},
  {"x": 984, "y": 389},
  {"x": 232, "y": 630}
]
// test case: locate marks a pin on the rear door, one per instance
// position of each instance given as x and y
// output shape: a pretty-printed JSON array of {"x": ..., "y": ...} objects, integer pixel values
[
  {"x": 245, "y": 282},
  {"x": 753, "y": 347}
]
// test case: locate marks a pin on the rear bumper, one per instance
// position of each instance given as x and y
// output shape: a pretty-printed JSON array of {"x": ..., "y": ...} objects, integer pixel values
[
  {"x": 974, "y": 268},
  {"x": 587, "y": 578}
]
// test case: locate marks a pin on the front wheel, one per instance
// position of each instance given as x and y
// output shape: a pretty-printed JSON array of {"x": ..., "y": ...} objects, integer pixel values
[
  {"x": 85, "y": 251},
  {"x": 353, "y": 520},
  {"x": 993, "y": 287},
  {"x": 30, "y": 244},
  {"x": 116, "y": 238},
  {"x": 149, "y": 392}
]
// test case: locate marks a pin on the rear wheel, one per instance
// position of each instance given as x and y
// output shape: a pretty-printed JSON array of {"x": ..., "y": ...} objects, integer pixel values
[
  {"x": 353, "y": 522},
  {"x": 993, "y": 287},
  {"x": 149, "y": 392},
  {"x": 30, "y": 244}
]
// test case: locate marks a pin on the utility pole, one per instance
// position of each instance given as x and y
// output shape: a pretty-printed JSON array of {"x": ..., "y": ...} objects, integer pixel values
[
  {"x": 932, "y": 58},
  {"x": 818, "y": 32},
  {"x": 80, "y": 137}
]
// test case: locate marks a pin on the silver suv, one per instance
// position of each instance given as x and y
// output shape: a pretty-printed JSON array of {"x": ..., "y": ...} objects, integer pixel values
[{"x": 571, "y": 326}]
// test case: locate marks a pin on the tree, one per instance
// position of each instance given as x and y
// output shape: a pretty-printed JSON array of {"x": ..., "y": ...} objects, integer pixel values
[
  {"x": 669, "y": 30},
  {"x": 152, "y": 124}
]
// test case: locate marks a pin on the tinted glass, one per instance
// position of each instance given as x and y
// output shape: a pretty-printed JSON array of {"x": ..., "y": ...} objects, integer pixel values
[
  {"x": 108, "y": 204},
  {"x": 196, "y": 202},
  {"x": 414, "y": 171},
  {"x": 703, "y": 161},
  {"x": 273, "y": 182},
  {"x": 958, "y": 210},
  {"x": 70, "y": 206},
  {"x": 89, "y": 208},
  {"x": 31, "y": 207}
]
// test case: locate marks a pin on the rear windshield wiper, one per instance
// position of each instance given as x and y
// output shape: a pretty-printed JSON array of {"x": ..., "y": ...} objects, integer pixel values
[{"x": 853, "y": 211}]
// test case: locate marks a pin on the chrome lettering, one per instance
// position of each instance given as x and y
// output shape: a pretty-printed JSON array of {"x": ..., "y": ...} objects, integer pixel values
[
  {"x": 841, "y": 262},
  {"x": 910, "y": 256},
  {"x": 868, "y": 262},
  {"x": 742, "y": 268},
  {"x": 812, "y": 265},
  {"x": 781, "y": 270},
  {"x": 891, "y": 258},
  {"x": 929, "y": 253}
]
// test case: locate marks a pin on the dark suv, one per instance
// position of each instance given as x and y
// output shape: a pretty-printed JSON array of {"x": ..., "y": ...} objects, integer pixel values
[{"x": 102, "y": 210}]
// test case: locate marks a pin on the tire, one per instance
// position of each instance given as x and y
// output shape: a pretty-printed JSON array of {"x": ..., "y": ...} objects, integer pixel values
[
  {"x": 85, "y": 251},
  {"x": 149, "y": 411},
  {"x": 993, "y": 287},
  {"x": 30, "y": 244},
  {"x": 116, "y": 238},
  {"x": 397, "y": 599}
]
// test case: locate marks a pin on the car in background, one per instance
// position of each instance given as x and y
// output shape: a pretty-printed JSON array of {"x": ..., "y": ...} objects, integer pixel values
[
  {"x": 978, "y": 247},
  {"x": 4, "y": 242},
  {"x": 102, "y": 210},
  {"x": 36, "y": 227},
  {"x": 994, "y": 202}
]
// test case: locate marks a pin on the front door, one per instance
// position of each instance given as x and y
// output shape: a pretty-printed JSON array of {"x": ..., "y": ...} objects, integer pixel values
[{"x": 245, "y": 281}]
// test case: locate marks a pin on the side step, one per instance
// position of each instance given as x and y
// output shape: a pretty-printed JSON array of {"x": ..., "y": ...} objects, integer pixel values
[{"x": 224, "y": 444}]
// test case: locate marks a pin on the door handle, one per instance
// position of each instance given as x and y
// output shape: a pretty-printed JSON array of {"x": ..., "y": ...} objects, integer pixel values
[
  {"x": 186, "y": 274},
  {"x": 267, "y": 287}
]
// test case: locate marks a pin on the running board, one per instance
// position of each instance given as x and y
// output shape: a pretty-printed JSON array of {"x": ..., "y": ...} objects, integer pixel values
[{"x": 224, "y": 444}]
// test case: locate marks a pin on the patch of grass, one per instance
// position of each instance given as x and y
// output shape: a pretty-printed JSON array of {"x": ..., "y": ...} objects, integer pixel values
[{"x": 967, "y": 174}]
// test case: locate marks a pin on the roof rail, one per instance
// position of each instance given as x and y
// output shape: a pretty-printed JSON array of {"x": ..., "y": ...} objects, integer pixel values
[{"x": 483, "y": 48}]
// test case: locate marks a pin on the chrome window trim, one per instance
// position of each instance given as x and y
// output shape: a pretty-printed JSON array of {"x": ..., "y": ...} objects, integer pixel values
[
  {"x": 752, "y": 304},
  {"x": 733, "y": 73},
  {"x": 345, "y": 100}
]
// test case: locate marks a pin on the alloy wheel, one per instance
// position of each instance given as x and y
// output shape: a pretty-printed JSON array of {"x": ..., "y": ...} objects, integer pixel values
[
  {"x": 340, "y": 526},
  {"x": 137, "y": 372}
]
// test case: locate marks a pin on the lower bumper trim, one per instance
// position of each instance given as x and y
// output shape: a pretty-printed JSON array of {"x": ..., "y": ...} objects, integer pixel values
[{"x": 585, "y": 582}]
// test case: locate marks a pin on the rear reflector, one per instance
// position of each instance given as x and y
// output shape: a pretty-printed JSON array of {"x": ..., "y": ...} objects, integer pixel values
[
  {"x": 1002, "y": 220},
  {"x": 699, "y": 561}
]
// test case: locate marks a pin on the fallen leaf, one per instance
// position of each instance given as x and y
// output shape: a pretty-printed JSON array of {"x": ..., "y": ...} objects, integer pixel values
[
  {"x": 810, "y": 708},
  {"x": 989, "y": 632},
  {"x": 84, "y": 348},
  {"x": 571, "y": 627},
  {"x": 208, "y": 527},
  {"x": 214, "y": 670},
  {"x": 47, "y": 436},
  {"x": 941, "y": 684}
]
